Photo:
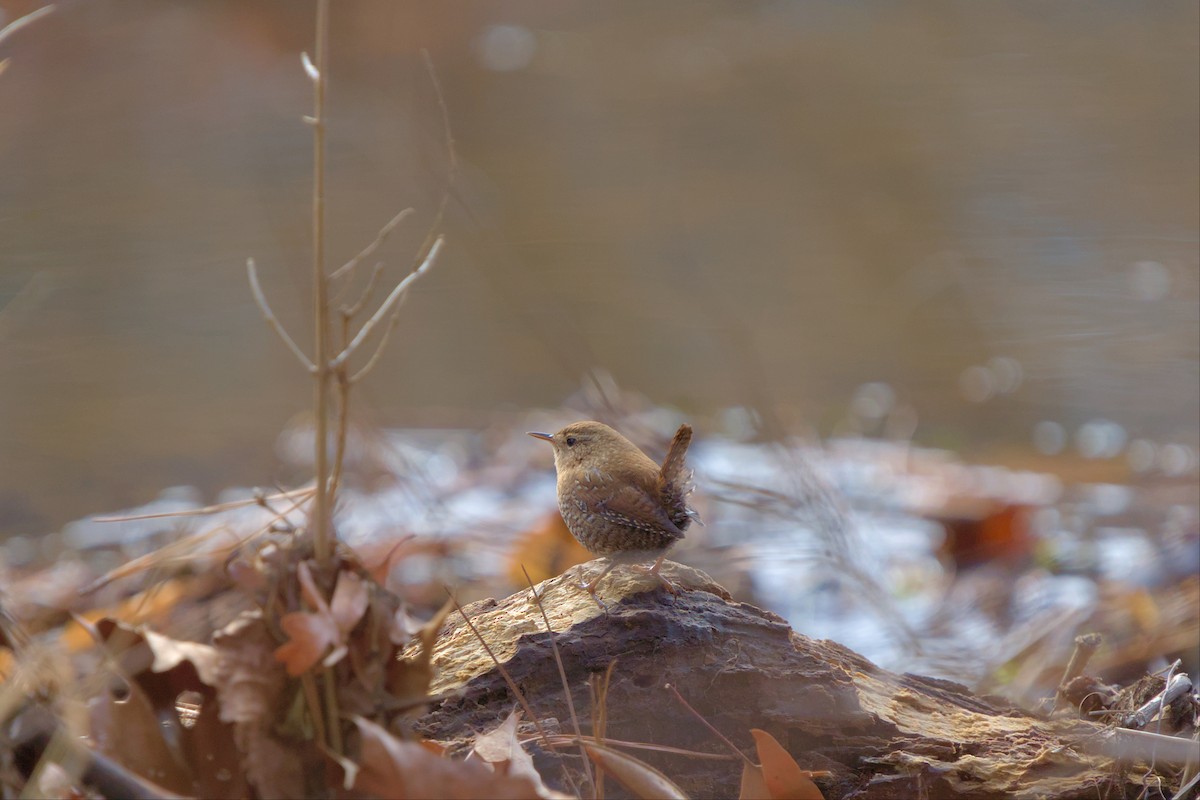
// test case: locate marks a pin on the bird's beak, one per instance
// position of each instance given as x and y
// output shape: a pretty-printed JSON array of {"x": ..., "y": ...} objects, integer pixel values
[{"x": 549, "y": 437}]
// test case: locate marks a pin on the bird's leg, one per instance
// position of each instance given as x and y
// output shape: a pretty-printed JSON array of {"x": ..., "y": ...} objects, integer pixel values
[
  {"x": 590, "y": 586},
  {"x": 670, "y": 587}
]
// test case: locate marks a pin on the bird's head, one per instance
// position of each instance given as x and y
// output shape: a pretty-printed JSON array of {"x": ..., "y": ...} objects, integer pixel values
[{"x": 587, "y": 443}]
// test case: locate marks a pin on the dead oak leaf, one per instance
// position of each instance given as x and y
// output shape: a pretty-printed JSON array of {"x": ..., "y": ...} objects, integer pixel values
[
  {"x": 389, "y": 767},
  {"x": 503, "y": 751},
  {"x": 311, "y": 633},
  {"x": 782, "y": 775}
]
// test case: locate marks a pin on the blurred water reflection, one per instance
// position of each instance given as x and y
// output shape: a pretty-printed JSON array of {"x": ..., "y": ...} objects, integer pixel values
[{"x": 989, "y": 210}]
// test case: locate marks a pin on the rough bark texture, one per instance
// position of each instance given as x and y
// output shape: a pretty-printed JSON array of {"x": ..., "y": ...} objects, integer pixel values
[{"x": 883, "y": 735}]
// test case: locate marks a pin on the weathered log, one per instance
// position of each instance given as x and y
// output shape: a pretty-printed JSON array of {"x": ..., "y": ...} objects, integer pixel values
[{"x": 881, "y": 734}]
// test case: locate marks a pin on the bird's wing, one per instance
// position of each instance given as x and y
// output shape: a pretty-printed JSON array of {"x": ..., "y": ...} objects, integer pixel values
[{"x": 634, "y": 507}]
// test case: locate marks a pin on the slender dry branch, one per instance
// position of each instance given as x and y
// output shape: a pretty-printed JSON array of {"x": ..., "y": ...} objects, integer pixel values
[
  {"x": 21, "y": 22},
  {"x": 562, "y": 674},
  {"x": 369, "y": 325},
  {"x": 272, "y": 320},
  {"x": 393, "y": 320},
  {"x": 343, "y": 414},
  {"x": 322, "y": 523},
  {"x": 309, "y": 68},
  {"x": 504, "y": 673},
  {"x": 451, "y": 154},
  {"x": 375, "y": 244},
  {"x": 200, "y": 512},
  {"x": 351, "y": 311},
  {"x": 1128, "y": 745},
  {"x": 566, "y": 740},
  {"x": 670, "y": 688}
]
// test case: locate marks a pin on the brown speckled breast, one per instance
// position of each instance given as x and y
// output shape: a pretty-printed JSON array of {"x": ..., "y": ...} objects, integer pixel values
[{"x": 608, "y": 523}]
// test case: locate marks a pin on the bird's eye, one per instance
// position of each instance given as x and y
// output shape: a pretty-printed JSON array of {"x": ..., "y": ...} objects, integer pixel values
[{"x": 570, "y": 441}]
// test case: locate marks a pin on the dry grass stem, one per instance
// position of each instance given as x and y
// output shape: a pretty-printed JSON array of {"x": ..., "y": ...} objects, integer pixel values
[
  {"x": 562, "y": 740},
  {"x": 21, "y": 22},
  {"x": 309, "y": 68},
  {"x": 349, "y": 312},
  {"x": 562, "y": 674},
  {"x": 386, "y": 306},
  {"x": 272, "y": 320},
  {"x": 708, "y": 724},
  {"x": 379, "y": 348},
  {"x": 1086, "y": 646},
  {"x": 451, "y": 154},
  {"x": 599, "y": 690},
  {"x": 1185, "y": 789},
  {"x": 303, "y": 492},
  {"x": 309, "y": 684},
  {"x": 381, "y": 237},
  {"x": 321, "y": 516},
  {"x": 180, "y": 551},
  {"x": 504, "y": 673},
  {"x": 331, "y": 709}
]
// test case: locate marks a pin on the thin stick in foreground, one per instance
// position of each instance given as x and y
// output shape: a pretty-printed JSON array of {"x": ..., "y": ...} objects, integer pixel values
[
  {"x": 512, "y": 685},
  {"x": 21, "y": 22},
  {"x": 272, "y": 320},
  {"x": 562, "y": 674}
]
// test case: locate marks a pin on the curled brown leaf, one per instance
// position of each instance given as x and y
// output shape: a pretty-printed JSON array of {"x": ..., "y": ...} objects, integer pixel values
[
  {"x": 313, "y": 633},
  {"x": 784, "y": 778}
]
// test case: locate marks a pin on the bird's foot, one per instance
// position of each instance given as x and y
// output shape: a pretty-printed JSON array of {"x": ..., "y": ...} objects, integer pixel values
[
  {"x": 666, "y": 584},
  {"x": 590, "y": 588}
]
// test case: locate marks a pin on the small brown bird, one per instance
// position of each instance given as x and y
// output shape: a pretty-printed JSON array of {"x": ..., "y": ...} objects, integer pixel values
[{"x": 615, "y": 500}]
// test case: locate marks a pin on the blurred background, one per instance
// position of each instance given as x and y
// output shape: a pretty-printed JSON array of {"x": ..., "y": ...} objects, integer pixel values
[
  {"x": 767, "y": 204},
  {"x": 968, "y": 227}
]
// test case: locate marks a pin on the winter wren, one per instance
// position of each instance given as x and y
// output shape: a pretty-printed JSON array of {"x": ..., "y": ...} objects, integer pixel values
[{"x": 615, "y": 500}]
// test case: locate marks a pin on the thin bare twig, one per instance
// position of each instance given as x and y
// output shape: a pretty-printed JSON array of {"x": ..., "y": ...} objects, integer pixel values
[
  {"x": 708, "y": 724},
  {"x": 331, "y": 706},
  {"x": 182, "y": 549},
  {"x": 369, "y": 325},
  {"x": 272, "y": 320},
  {"x": 313, "y": 74},
  {"x": 562, "y": 674},
  {"x": 599, "y": 689},
  {"x": 564, "y": 740},
  {"x": 21, "y": 22},
  {"x": 375, "y": 244},
  {"x": 214, "y": 509},
  {"x": 1187, "y": 787},
  {"x": 343, "y": 416},
  {"x": 451, "y": 154},
  {"x": 322, "y": 534},
  {"x": 1086, "y": 646},
  {"x": 393, "y": 320},
  {"x": 508, "y": 679},
  {"x": 349, "y": 312}
]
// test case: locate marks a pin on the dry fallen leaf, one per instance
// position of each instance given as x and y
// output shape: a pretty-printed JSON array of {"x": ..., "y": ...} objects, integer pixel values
[
  {"x": 503, "y": 751},
  {"x": 350, "y": 600},
  {"x": 783, "y": 777},
  {"x": 311, "y": 634},
  {"x": 166, "y": 724},
  {"x": 125, "y": 727},
  {"x": 391, "y": 768},
  {"x": 754, "y": 785},
  {"x": 408, "y": 678},
  {"x": 635, "y": 775},
  {"x": 250, "y": 685},
  {"x": 378, "y": 557}
]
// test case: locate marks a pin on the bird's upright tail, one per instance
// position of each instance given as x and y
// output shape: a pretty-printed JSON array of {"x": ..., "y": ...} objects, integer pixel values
[
  {"x": 675, "y": 480},
  {"x": 673, "y": 470}
]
